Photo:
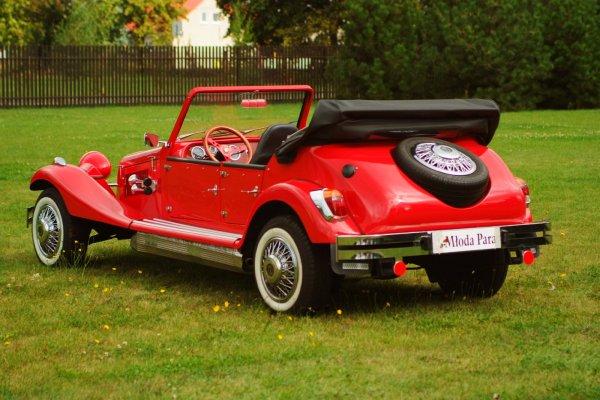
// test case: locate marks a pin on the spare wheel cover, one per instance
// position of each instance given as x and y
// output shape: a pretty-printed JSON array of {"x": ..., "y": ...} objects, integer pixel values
[{"x": 450, "y": 172}]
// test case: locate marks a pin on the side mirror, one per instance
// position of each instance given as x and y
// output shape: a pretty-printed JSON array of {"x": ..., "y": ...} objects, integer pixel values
[
  {"x": 150, "y": 139},
  {"x": 254, "y": 103}
]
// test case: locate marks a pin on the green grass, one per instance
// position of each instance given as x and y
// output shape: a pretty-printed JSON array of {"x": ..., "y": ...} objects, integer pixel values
[{"x": 538, "y": 338}]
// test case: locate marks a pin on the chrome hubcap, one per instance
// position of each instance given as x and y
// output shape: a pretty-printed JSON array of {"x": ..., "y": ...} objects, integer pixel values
[
  {"x": 442, "y": 158},
  {"x": 279, "y": 270},
  {"x": 48, "y": 231}
]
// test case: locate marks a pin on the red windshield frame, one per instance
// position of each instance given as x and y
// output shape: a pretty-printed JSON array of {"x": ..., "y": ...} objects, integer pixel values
[{"x": 302, "y": 118}]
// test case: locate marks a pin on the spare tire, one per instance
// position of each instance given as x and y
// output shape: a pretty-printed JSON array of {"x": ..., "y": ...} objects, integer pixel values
[{"x": 450, "y": 172}]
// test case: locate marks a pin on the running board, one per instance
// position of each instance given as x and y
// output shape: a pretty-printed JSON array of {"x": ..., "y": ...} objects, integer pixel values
[{"x": 213, "y": 256}]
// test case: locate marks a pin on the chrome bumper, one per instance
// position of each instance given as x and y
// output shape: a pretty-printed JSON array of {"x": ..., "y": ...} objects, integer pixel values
[{"x": 398, "y": 245}]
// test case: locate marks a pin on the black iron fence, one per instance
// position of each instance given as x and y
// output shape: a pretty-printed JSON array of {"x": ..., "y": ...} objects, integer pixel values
[{"x": 101, "y": 75}]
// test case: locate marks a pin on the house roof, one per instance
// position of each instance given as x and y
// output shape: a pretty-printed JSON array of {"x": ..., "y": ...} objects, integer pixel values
[{"x": 191, "y": 4}]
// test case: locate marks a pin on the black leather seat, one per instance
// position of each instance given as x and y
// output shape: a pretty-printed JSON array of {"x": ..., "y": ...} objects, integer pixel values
[{"x": 269, "y": 141}]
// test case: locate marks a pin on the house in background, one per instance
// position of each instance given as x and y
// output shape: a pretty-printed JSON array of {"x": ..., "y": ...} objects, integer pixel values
[{"x": 204, "y": 25}]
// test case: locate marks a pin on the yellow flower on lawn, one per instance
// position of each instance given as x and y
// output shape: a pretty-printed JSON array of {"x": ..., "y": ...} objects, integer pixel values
[
  {"x": 216, "y": 308},
  {"x": 140, "y": 271},
  {"x": 226, "y": 304},
  {"x": 339, "y": 312},
  {"x": 280, "y": 336},
  {"x": 96, "y": 285},
  {"x": 105, "y": 290},
  {"x": 105, "y": 327},
  {"x": 311, "y": 334},
  {"x": 290, "y": 318},
  {"x": 97, "y": 341},
  {"x": 114, "y": 268},
  {"x": 163, "y": 290}
]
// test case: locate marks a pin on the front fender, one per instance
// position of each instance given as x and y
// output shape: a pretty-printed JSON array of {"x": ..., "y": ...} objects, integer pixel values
[
  {"x": 83, "y": 196},
  {"x": 295, "y": 194}
]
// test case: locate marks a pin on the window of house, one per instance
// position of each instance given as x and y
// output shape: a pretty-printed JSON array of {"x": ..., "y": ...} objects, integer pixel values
[
  {"x": 216, "y": 17},
  {"x": 203, "y": 16}
]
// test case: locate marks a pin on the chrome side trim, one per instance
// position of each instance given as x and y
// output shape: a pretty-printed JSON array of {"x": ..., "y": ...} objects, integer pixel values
[
  {"x": 190, "y": 229},
  {"x": 213, "y": 256}
]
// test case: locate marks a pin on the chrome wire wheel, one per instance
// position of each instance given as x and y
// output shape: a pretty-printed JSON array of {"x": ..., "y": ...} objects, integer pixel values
[
  {"x": 443, "y": 158},
  {"x": 278, "y": 269},
  {"x": 47, "y": 231}
]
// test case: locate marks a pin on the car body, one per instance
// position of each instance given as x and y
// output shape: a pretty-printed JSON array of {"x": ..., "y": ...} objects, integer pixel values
[{"x": 343, "y": 196}]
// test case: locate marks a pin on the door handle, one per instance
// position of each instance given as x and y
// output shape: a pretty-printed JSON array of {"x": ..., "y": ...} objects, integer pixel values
[
  {"x": 215, "y": 190},
  {"x": 253, "y": 192}
]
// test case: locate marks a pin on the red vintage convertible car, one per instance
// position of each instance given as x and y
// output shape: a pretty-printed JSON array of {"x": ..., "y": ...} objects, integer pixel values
[{"x": 364, "y": 189}]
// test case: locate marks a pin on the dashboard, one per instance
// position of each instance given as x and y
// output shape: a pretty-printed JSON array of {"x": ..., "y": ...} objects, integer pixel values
[
  {"x": 235, "y": 152},
  {"x": 230, "y": 146}
]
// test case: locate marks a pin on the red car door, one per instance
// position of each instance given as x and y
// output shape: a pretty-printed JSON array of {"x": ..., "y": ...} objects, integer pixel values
[
  {"x": 240, "y": 186},
  {"x": 190, "y": 191}
]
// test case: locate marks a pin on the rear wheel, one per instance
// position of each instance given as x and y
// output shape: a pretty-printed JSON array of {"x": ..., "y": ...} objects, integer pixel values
[
  {"x": 477, "y": 277},
  {"x": 57, "y": 236},
  {"x": 291, "y": 273}
]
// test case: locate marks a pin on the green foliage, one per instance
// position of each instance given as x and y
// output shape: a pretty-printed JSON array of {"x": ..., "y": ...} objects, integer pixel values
[
  {"x": 30, "y": 21},
  {"x": 283, "y": 22},
  {"x": 572, "y": 36},
  {"x": 522, "y": 53},
  {"x": 149, "y": 21},
  {"x": 88, "y": 22}
]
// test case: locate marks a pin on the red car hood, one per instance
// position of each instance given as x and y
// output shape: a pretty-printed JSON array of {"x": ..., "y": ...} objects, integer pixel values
[{"x": 382, "y": 199}]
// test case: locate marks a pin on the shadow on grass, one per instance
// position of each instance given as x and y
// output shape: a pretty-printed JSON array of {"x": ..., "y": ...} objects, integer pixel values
[{"x": 352, "y": 296}]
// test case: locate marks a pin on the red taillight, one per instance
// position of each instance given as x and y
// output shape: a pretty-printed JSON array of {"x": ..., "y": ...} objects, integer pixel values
[
  {"x": 525, "y": 190},
  {"x": 335, "y": 202},
  {"x": 399, "y": 268},
  {"x": 528, "y": 257}
]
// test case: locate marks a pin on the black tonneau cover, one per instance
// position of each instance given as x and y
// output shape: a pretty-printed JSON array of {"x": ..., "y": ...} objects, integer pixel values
[{"x": 356, "y": 120}]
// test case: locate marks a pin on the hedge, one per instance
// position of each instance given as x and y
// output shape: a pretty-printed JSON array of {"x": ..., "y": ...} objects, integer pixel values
[{"x": 523, "y": 54}]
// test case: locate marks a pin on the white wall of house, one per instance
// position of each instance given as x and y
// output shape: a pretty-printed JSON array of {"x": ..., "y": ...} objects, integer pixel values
[{"x": 204, "y": 25}]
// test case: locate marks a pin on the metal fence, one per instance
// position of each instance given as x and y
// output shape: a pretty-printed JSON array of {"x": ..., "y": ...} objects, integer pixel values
[{"x": 38, "y": 76}]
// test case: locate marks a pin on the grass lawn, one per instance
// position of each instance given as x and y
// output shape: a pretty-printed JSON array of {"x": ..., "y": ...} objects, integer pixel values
[{"x": 135, "y": 326}]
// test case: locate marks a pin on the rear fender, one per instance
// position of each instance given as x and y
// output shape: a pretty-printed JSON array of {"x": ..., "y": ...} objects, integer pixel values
[
  {"x": 84, "y": 197},
  {"x": 296, "y": 195}
]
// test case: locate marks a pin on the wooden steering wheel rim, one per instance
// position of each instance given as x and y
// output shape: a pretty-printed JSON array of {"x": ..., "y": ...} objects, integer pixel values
[{"x": 230, "y": 130}]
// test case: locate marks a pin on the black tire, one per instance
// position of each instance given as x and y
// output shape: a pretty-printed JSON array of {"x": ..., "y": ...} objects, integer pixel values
[
  {"x": 455, "y": 190},
  {"x": 313, "y": 282},
  {"x": 71, "y": 236},
  {"x": 480, "y": 275}
]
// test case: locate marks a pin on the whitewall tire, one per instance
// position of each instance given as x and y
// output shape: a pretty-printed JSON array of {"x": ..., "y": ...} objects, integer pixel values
[
  {"x": 56, "y": 235},
  {"x": 47, "y": 231},
  {"x": 291, "y": 273}
]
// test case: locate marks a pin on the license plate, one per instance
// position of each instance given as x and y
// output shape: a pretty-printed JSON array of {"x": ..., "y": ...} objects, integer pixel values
[{"x": 457, "y": 240}]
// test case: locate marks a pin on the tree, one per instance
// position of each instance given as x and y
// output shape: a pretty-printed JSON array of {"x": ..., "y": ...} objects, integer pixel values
[
  {"x": 283, "y": 22},
  {"x": 444, "y": 48},
  {"x": 572, "y": 36},
  {"x": 149, "y": 21},
  {"x": 90, "y": 22},
  {"x": 30, "y": 21}
]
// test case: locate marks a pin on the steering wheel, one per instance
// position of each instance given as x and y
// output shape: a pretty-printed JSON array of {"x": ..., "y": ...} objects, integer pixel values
[{"x": 208, "y": 141}]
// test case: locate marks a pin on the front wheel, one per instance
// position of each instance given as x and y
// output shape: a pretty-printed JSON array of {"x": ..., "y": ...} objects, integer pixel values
[
  {"x": 57, "y": 236},
  {"x": 291, "y": 273}
]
